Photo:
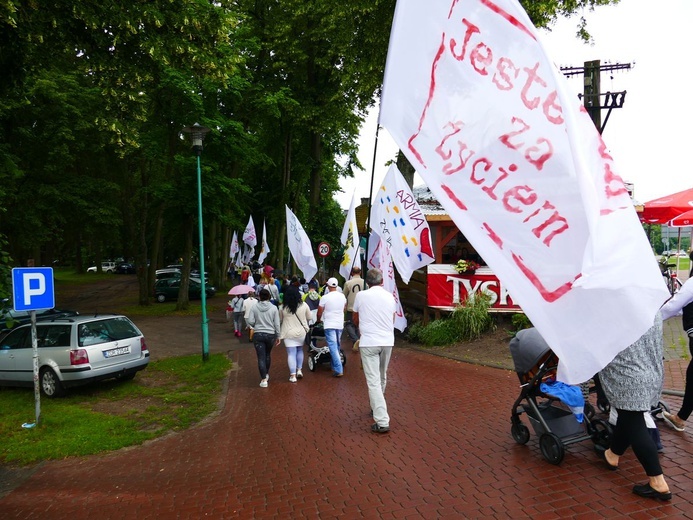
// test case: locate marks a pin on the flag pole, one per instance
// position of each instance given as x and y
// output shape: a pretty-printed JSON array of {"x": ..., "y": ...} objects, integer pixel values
[{"x": 370, "y": 197}]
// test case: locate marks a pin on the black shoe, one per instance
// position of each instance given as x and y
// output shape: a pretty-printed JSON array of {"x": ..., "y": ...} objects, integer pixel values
[
  {"x": 376, "y": 428},
  {"x": 646, "y": 491}
]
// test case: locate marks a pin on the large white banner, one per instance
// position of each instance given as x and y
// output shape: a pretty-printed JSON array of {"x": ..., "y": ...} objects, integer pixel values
[
  {"x": 350, "y": 241},
  {"x": 472, "y": 99},
  {"x": 300, "y": 246},
  {"x": 399, "y": 221},
  {"x": 265, "y": 250}
]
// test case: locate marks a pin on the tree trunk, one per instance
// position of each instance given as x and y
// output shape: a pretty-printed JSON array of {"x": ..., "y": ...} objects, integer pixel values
[
  {"x": 406, "y": 168},
  {"x": 183, "y": 299}
]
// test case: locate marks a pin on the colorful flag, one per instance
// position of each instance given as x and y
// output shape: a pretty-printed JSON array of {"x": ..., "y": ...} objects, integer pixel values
[
  {"x": 300, "y": 246},
  {"x": 487, "y": 120},
  {"x": 379, "y": 257},
  {"x": 233, "y": 251},
  {"x": 400, "y": 222},
  {"x": 350, "y": 241},
  {"x": 249, "y": 235},
  {"x": 265, "y": 250}
]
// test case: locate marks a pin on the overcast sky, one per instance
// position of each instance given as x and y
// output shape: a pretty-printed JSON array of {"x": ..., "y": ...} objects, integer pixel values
[{"x": 650, "y": 137}]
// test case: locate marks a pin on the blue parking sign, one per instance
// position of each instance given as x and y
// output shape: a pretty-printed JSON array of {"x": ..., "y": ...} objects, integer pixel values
[{"x": 32, "y": 288}]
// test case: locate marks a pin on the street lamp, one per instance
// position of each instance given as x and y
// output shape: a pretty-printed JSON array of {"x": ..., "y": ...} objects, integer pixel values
[{"x": 197, "y": 135}]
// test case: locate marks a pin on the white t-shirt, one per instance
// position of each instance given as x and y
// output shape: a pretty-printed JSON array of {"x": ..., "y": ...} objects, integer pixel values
[
  {"x": 376, "y": 308},
  {"x": 333, "y": 304},
  {"x": 247, "y": 305}
]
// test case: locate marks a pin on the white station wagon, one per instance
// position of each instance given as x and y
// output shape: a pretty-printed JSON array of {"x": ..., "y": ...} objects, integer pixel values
[{"x": 73, "y": 351}]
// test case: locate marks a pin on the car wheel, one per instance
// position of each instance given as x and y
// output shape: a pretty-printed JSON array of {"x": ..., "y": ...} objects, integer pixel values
[
  {"x": 161, "y": 298},
  {"x": 50, "y": 384}
]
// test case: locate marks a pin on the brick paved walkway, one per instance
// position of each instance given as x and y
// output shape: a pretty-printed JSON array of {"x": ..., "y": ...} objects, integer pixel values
[{"x": 305, "y": 451}]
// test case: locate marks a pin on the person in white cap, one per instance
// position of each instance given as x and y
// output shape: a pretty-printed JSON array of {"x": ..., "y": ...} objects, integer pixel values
[
  {"x": 331, "y": 313},
  {"x": 374, "y": 314}
]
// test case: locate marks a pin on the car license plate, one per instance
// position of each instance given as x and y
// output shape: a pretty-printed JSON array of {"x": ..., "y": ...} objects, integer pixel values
[{"x": 116, "y": 352}]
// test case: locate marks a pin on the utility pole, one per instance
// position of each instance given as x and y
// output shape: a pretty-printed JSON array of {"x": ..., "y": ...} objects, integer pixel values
[{"x": 592, "y": 96}]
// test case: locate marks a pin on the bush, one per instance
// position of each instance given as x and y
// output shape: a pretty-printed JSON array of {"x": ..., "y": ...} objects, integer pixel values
[
  {"x": 520, "y": 321},
  {"x": 467, "y": 322}
]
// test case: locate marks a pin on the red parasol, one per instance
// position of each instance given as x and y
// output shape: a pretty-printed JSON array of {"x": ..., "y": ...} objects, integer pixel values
[
  {"x": 662, "y": 210},
  {"x": 683, "y": 220}
]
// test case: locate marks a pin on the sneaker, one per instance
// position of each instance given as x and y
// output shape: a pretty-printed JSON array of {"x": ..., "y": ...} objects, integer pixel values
[
  {"x": 672, "y": 421},
  {"x": 355, "y": 348},
  {"x": 299, "y": 374},
  {"x": 376, "y": 428},
  {"x": 292, "y": 379},
  {"x": 263, "y": 383}
]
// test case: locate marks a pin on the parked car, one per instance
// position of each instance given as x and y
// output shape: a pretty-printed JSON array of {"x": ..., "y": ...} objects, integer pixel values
[
  {"x": 125, "y": 268},
  {"x": 167, "y": 289},
  {"x": 106, "y": 267},
  {"x": 169, "y": 272},
  {"x": 10, "y": 318},
  {"x": 73, "y": 351}
]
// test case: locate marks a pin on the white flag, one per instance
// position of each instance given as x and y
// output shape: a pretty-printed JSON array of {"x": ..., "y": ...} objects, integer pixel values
[
  {"x": 380, "y": 258},
  {"x": 487, "y": 120},
  {"x": 300, "y": 246},
  {"x": 400, "y": 222},
  {"x": 350, "y": 241},
  {"x": 233, "y": 251},
  {"x": 249, "y": 235},
  {"x": 265, "y": 250}
]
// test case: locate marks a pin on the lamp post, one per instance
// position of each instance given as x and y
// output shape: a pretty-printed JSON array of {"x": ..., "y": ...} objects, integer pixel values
[{"x": 197, "y": 134}]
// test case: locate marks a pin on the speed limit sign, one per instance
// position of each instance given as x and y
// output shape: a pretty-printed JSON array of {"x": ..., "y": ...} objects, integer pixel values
[{"x": 323, "y": 249}]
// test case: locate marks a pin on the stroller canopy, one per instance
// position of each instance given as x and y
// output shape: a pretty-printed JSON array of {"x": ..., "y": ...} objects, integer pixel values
[{"x": 527, "y": 348}]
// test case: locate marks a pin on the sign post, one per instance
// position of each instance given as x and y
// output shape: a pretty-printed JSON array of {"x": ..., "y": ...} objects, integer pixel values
[
  {"x": 323, "y": 251},
  {"x": 32, "y": 290}
]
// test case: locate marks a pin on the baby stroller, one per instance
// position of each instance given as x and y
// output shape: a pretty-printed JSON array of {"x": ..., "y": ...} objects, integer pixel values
[
  {"x": 550, "y": 418},
  {"x": 318, "y": 351}
]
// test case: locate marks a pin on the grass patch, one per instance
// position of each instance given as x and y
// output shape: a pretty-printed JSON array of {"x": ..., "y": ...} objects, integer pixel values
[{"x": 169, "y": 395}]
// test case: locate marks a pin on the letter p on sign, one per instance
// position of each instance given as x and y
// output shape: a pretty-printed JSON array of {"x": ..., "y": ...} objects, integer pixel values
[{"x": 32, "y": 288}]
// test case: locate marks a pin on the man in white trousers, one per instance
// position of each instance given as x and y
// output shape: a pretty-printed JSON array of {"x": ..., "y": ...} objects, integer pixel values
[{"x": 374, "y": 315}]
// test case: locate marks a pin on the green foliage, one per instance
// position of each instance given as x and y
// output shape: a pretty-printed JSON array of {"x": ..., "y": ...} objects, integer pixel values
[
  {"x": 80, "y": 424},
  {"x": 466, "y": 323},
  {"x": 520, "y": 321}
]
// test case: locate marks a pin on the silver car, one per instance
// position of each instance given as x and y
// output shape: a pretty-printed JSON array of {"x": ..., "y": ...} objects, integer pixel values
[{"x": 73, "y": 351}]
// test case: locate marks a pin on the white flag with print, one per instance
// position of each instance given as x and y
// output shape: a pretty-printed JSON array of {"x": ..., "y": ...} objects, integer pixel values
[
  {"x": 487, "y": 120},
  {"x": 379, "y": 257},
  {"x": 400, "y": 222},
  {"x": 233, "y": 251},
  {"x": 350, "y": 241},
  {"x": 249, "y": 235},
  {"x": 300, "y": 246},
  {"x": 265, "y": 250}
]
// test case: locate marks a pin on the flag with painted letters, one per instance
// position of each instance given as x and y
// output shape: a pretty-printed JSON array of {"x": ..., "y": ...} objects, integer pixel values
[
  {"x": 481, "y": 112},
  {"x": 399, "y": 220},
  {"x": 249, "y": 235},
  {"x": 235, "y": 247},
  {"x": 379, "y": 257}
]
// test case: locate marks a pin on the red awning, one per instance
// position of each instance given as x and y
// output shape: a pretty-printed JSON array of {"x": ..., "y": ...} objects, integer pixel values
[
  {"x": 664, "y": 209},
  {"x": 683, "y": 220}
]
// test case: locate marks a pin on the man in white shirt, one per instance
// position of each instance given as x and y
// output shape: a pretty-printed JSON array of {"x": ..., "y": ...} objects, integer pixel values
[
  {"x": 374, "y": 314},
  {"x": 247, "y": 305},
  {"x": 331, "y": 313}
]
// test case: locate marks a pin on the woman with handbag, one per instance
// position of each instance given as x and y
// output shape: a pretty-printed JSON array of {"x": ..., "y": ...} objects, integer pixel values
[{"x": 294, "y": 315}]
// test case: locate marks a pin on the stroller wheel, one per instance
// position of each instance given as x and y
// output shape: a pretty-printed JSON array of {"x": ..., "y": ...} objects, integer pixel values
[
  {"x": 601, "y": 433},
  {"x": 551, "y": 448},
  {"x": 520, "y": 433},
  {"x": 589, "y": 411},
  {"x": 603, "y": 405},
  {"x": 657, "y": 410},
  {"x": 342, "y": 357},
  {"x": 311, "y": 363}
]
